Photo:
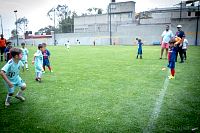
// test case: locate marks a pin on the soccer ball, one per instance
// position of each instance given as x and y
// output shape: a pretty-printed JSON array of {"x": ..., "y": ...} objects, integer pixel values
[{"x": 163, "y": 69}]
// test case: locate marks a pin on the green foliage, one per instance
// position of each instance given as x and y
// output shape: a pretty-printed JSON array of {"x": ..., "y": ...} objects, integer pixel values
[
  {"x": 105, "y": 89},
  {"x": 65, "y": 18}
]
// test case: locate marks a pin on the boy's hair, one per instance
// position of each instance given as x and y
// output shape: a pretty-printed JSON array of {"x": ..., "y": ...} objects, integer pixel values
[
  {"x": 15, "y": 51},
  {"x": 8, "y": 43},
  {"x": 40, "y": 46},
  {"x": 172, "y": 41},
  {"x": 23, "y": 44},
  {"x": 139, "y": 40},
  {"x": 44, "y": 44}
]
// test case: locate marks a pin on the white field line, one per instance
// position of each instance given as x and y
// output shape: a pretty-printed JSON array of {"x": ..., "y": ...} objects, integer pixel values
[{"x": 157, "y": 107}]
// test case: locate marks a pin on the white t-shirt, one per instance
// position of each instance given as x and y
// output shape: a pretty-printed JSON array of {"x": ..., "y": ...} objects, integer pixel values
[
  {"x": 167, "y": 35},
  {"x": 185, "y": 43}
]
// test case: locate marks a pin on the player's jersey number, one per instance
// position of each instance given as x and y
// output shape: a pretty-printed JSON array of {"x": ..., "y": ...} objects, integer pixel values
[{"x": 11, "y": 74}]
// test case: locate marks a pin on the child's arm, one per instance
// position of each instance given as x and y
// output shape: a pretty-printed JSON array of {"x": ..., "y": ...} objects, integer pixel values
[{"x": 2, "y": 73}]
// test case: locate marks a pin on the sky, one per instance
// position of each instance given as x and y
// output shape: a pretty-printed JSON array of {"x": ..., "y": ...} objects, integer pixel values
[{"x": 36, "y": 10}]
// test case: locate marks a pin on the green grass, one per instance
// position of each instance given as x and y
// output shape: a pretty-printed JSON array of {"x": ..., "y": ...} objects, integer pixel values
[{"x": 105, "y": 89}]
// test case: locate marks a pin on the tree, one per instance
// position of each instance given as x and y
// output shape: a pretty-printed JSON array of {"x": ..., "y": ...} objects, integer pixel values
[
  {"x": 22, "y": 24},
  {"x": 100, "y": 11},
  {"x": 47, "y": 30},
  {"x": 64, "y": 18},
  {"x": 13, "y": 32},
  {"x": 93, "y": 11}
]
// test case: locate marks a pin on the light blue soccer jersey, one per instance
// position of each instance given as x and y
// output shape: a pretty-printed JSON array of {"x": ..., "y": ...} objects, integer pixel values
[
  {"x": 38, "y": 61},
  {"x": 24, "y": 54},
  {"x": 12, "y": 70}
]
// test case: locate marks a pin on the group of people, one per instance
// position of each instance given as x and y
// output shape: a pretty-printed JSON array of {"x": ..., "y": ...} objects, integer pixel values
[
  {"x": 174, "y": 45},
  {"x": 181, "y": 47},
  {"x": 19, "y": 58}
]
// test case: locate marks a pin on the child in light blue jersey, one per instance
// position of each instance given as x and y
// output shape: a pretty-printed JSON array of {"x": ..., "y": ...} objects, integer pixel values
[
  {"x": 24, "y": 56},
  {"x": 38, "y": 62},
  {"x": 10, "y": 73}
]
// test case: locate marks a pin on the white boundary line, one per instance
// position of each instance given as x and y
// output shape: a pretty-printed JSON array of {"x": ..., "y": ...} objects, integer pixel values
[{"x": 157, "y": 107}]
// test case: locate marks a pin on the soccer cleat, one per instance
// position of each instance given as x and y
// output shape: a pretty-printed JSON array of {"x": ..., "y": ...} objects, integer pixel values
[
  {"x": 43, "y": 72},
  {"x": 27, "y": 69},
  {"x": 171, "y": 77},
  {"x": 21, "y": 98},
  {"x": 39, "y": 80},
  {"x": 51, "y": 71},
  {"x": 7, "y": 103}
]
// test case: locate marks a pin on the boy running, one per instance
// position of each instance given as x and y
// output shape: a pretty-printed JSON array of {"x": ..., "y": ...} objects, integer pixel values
[
  {"x": 46, "y": 56},
  {"x": 38, "y": 62},
  {"x": 10, "y": 74},
  {"x": 24, "y": 56}
]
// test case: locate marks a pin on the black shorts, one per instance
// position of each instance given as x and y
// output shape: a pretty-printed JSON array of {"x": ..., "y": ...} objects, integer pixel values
[{"x": 2, "y": 50}]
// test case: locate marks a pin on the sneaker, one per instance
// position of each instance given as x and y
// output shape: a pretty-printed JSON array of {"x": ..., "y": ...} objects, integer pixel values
[
  {"x": 171, "y": 77},
  {"x": 39, "y": 80},
  {"x": 21, "y": 98},
  {"x": 7, "y": 103}
]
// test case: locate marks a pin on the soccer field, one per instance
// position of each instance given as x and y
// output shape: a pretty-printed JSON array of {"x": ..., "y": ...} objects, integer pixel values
[{"x": 106, "y": 89}]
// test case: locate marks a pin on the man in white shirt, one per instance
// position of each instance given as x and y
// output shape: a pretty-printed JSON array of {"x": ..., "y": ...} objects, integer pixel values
[{"x": 166, "y": 36}]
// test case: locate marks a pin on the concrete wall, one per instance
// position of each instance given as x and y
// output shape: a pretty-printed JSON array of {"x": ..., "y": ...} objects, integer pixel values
[{"x": 124, "y": 34}]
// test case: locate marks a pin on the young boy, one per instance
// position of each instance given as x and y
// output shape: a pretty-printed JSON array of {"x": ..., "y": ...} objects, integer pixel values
[
  {"x": 172, "y": 56},
  {"x": 68, "y": 45},
  {"x": 184, "y": 48},
  {"x": 46, "y": 56},
  {"x": 139, "y": 48},
  {"x": 7, "y": 54},
  {"x": 24, "y": 56},
  {"x": 10, "y": 74},
  {"x": 38, "y": 62}
]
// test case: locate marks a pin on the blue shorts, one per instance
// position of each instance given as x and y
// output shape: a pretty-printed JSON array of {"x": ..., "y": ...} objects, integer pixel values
[
  {"x": 18, "y": 83},
  {"x": 46, "y": 62},
  {"x": 171, "y": 64},
  {"x": 139, "y": 51}
]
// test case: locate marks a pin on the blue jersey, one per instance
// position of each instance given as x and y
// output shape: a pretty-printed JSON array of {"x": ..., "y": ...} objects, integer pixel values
[
  {"x": 180, "y": 34},
  {"x": 12, "y": 70},
  {"x": 38, "y": 60},
  {"x": 46, "y": 54},
  {"x": 140, "y": 45},
  {"x": 172, "y": 57}
]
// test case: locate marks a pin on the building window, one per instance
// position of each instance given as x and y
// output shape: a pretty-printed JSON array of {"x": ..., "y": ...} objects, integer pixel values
[
  {"x": 189, "y": 13},
  {"x": 197, "y": 13}
]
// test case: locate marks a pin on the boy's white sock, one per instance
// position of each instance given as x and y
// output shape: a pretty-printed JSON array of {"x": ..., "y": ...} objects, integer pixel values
[
  {"x": 26, "y": 65},
  {"x": 8, "y": 98}
]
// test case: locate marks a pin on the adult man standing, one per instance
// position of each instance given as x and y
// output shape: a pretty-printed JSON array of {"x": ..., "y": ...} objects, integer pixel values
[
  {"x": 2, "y": 46},
  {"x": 166, "y": 36},
  {"x": 180, "y": 34}
]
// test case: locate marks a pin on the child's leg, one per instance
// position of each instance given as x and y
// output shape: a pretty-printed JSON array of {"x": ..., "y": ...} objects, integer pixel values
[
  {"x": 22, "y": 86},
  {"x": 49, "y": 68},
  {"x": 26, "y": 65},
  {"x": 44, "y": 67},
  {"x": 172, "y": 72},
  {"x": 184, "y": 53},
  {"x": 9, "y": 95}
]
